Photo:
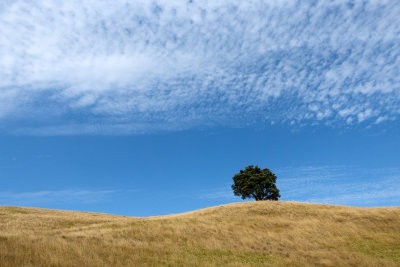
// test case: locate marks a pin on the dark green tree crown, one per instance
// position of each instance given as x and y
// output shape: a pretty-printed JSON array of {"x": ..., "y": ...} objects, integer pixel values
[{"x": 253, "y": 182}]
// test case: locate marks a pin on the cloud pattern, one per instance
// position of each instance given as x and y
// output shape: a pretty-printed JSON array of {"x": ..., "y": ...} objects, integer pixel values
[{"x": 136, "y": 66}]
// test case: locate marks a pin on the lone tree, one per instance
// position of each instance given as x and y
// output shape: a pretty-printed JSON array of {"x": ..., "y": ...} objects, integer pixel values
[{"x": 256, "y": 183}]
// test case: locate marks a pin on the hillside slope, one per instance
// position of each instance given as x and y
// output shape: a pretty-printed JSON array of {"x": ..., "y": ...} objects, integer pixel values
[{"x": 251, "y": 233}]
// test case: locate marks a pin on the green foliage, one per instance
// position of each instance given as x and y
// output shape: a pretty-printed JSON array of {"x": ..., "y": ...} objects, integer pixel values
[{"x": 256, "y": 183}]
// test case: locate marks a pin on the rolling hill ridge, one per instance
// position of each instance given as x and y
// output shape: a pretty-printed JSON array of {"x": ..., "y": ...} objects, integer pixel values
[{"x": 261, "y": 233}]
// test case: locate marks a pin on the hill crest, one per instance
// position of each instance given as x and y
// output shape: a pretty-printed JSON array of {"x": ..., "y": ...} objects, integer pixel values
[{"x": 244, "y": 233}]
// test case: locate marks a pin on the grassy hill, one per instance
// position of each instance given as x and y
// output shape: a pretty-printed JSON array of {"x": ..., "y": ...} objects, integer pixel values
[{"x": 251, "y": 233}]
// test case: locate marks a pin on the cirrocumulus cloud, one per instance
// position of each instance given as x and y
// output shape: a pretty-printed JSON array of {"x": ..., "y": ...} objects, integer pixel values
[{"x": 136, "y": 66}]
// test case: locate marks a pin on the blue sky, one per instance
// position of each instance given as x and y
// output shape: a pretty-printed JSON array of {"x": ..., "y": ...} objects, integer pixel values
[{"x": 149, "y": 107}]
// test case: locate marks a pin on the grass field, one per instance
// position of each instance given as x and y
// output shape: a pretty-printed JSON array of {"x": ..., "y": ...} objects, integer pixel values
[{"x": 251, "y": 234}]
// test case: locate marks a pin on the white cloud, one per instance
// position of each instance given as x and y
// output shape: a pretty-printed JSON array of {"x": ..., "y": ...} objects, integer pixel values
[
  {"x": 362, "y": 116},
  {"x": 381, "y": 119},
  {"x": 175, "y": 64}
]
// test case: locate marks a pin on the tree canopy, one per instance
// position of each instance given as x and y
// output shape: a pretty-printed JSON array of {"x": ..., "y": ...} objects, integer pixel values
[{"x": 253, "y": 182}]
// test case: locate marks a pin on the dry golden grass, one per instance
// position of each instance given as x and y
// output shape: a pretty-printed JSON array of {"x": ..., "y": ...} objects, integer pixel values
[{"x": 251, "y": 234}]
